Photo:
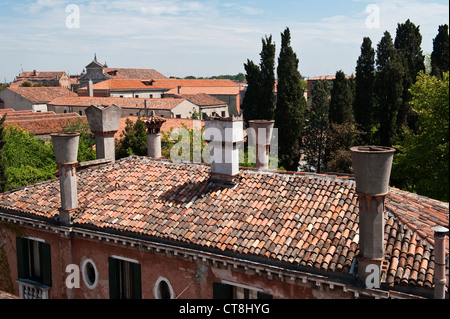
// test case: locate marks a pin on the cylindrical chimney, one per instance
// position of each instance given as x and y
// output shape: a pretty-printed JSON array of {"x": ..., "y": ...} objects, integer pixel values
[
  {"x": 104, "y": 123},
  {"x": 154, "y": 125},
  {"x": 261, "y": 134},
  {"x": 65, "y": 146},
  {"x": 372, "y": 169},
  {"x": 90, "y": 88},
  {"x": 439, "y": 261}
]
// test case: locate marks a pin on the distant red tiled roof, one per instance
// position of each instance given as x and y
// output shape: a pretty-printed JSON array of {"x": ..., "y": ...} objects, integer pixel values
[
  {"x": 42, "y": 75},
  {"x": 41, "y": 94},
  {"x": 123, "y": 73},
  {"x": 292, "y": 219},
  {"x": 203, "y": 100},
  {"x": 125, "y": 103},
  {"x": 40, "y": 123},
  {"x": 129, "y": 84}
]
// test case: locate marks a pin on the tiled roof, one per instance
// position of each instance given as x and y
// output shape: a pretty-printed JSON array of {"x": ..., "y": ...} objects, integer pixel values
[
  {"x": 203, "y": 100},
  {"x": 40, "y": 123},
  {"x": 294, "y": 219},
  {"x": 48, "y": 76},
  {"x": 130, "y": 84},
  {"x": 125, "y": 103},
  {"x": 41, "y": 94},
  {"x": 121, "y": 73}
]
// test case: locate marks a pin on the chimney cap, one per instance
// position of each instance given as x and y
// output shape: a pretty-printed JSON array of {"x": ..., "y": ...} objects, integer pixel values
[
  {"x": 154, "y": 123},
  {"x": 440, "y": 230},
  {"x": 373, "y": 149}
]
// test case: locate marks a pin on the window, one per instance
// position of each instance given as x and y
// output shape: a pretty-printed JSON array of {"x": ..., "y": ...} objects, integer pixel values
[
  {"x": 163, "y": 289},
  {"x": 236, "y": 291},
  {"x": 33, "y": 260},
  {"x": 90, "y": 273},
  {"x": 80, "y": 112},
  {"x": 178, "y": 116},
  {"x": 124, "y": 279},
  {"x": 136, "y": 96},
  {"x": 223, "y": 113}
]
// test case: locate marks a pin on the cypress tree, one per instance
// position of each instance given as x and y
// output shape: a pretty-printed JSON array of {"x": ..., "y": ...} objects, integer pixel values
[
  {"x": 341, "y": 110},
  {"x": 408, "y": 43},
  {"x": 266, "y": 105},
  {"x": 363, "y": 105},
  {"x": 3, "y": 172},
  {"x": 253, "y": 92},
  {"x": 315, "y": 135},
  {"x": 388, "y": 88},
  {"x": 291, "y": 105},
  {"x": 440, "y": 55}
]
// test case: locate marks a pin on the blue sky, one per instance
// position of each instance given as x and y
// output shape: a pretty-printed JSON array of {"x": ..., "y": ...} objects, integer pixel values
[{"x": 201, "y": 38}]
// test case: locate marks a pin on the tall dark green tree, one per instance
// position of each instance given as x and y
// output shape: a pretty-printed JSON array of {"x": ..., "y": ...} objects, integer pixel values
[
  {"x": 253, "y": 92},
  {"x": 364, "y": 99},
  {"x": 440, "y": 55},
  {"x": 388, "y": 88},
  {"x": 3, "y": 172},
  {"x": 315, "y": 133},
  {"x": 291, "y": 105},
  {"x": 341, "y": 109},
  {"x": 266, "y": 106},
  {"x": 408, "y": 42}
]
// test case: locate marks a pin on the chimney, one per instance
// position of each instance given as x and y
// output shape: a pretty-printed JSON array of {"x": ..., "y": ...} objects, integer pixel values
[
  {"x": 439, "y": 261},
  {"x": 154, "y": 124},
  {"x": 104, "y": 123},
  {"x": 65, "y": 146},
  {"x": 179, "y": 89},
  {"x": 372, "y": 169},
  {"x": 261, "y": 134},
  {"x": 223, "y": 136},
  {"x": 90, "y": 88}
]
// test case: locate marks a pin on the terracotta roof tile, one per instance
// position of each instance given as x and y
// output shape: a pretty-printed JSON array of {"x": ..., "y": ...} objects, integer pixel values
[
  {"x": 41, "y": 94},
  {"x": 177, "y": 202}
]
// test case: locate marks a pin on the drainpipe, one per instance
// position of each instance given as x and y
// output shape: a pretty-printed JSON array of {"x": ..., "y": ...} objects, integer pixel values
[{"x": 439, "y": 261}]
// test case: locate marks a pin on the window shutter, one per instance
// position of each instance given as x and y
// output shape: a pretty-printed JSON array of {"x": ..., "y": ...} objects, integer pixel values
[
  {"x": 114, "y": 278},
  {"x": 23, "y": 261},
  {"x": 46, "y": 265},
  {"x": 262, "y": 295},
  {"x": 137, "y": 285},
  {"x": 222, "y": 291}
]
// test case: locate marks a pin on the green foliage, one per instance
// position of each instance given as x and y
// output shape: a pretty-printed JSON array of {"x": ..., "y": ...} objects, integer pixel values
[
  {"x": 291, "y": 105},
  {"x": 388, "y": 89},
  {"x": 315, "y": 133},
  {"x": 440, "y": 56},
  {"x": 408, "y": 42},
  {"x": 253, "y": 93},
  {"x": 28, "y": 159},
  {"x": 133, "y": 141},
  {"x": 171, "y": 138},
  {"x": 3, "y": 170},
  {"x": 86, "y": 145},
  {"x": 422, "y": 163},
  {"x": 238, "y": 77},
  {"x": 259, "y": 100},
  {"x": 266, "y": 106},
  {"x": 341, "y": 110},
  {"x": 364, "y": 100}
]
